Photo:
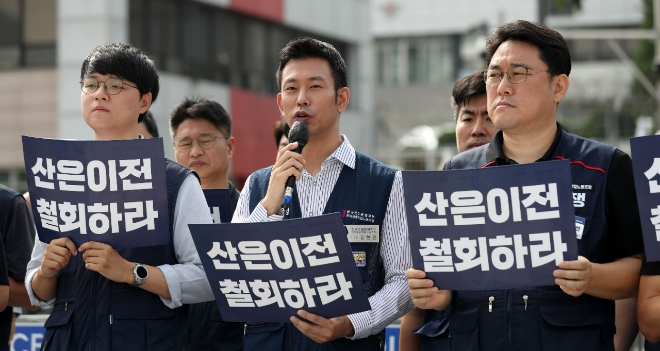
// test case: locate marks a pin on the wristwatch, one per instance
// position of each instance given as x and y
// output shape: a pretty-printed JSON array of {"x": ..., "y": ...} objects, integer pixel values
[{"x": 140, "y": 273}]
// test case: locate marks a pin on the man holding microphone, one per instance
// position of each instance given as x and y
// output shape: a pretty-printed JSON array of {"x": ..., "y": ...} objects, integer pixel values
[{"x": 313, "y": 81}]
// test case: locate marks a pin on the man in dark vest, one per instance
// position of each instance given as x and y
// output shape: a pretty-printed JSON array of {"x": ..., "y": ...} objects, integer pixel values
[
  {"x": 331, "y": 176},
  {"x": 527, "y": 76},
  {"x": 127, "y": 299},
  {"x": 201, "y": 130}
]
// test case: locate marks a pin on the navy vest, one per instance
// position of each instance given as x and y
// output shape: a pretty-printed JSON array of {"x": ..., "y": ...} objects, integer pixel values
[
  {"x": 365, "y": 189},
  {"x": 548, "y": 319},
  {"x": 94, "y": 313}
]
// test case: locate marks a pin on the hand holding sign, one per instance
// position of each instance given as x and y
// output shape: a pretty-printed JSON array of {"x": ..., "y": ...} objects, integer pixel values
[
  {"x": 322, "y": 329},
  {"x": 57, "y": 256},
  {"x": 424, "y": 294},
  {"x": 102, "y": 258},
  {"x": 573, "y": 277}
]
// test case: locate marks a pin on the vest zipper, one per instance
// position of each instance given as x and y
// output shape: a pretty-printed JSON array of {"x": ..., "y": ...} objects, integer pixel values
[
  {"x": 490, "y": 303},
  {"x": 525, "y": 297},
  {"x": 111, "y": 319},
  {"x": 66, "y": 306}
]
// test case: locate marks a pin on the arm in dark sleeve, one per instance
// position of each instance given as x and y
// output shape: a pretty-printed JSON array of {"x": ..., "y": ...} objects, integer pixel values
[
  {"x": 621, "y": 209},
  {"x": 18, "y": 238}
]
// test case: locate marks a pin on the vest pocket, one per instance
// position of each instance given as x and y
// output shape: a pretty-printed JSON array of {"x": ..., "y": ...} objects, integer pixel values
[
  {"x": 571, "y": 327},
  {"x": 266, "y": 336},
  {"x": 434, "y": 334},
  {"x": 58, "y": 328},
  {"x": 142, "y": 325},
  {"x": 463, "y": 329}
]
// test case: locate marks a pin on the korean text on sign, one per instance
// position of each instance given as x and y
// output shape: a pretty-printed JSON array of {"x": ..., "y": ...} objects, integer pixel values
[
  {"x": 491, "y": 228},
  {"x": 646, "y": 169},
  {"x": 265, "y": 272},
  {"x": 114, "y": 190}
]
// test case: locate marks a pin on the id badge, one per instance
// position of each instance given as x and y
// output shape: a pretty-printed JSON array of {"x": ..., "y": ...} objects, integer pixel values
[
  {"x": 579, "y": 226},
  {"x": 369, "y": 234}
]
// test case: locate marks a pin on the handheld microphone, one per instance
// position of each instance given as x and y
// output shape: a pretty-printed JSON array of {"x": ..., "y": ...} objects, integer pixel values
[{"x": 298, "y": 133}]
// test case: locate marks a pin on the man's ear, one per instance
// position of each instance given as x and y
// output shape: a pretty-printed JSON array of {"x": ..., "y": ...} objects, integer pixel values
[
  {"x": 560, "y": 86},
  {"x": 343, "y": 97},
  {"x": 230, "y": 146},
  {"x": 145, "y": 102},
  {"x": 279, "y": 103}
]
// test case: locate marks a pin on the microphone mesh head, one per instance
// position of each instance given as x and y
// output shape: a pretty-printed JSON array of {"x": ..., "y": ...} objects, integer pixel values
[{"x": 299, "y": 132}]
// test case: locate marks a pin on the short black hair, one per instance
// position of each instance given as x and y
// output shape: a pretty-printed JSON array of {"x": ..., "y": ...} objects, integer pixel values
[
  {"x": 150, "y": 122},
  {"x": 306, "y": 47},
  {"x": 126, "y": 62},
  {"x": 553, "y": 49},
  {"x": 465, "y": 89},
  {"x": 196, "y": 107},
  {"x": 280, "y": 128}
]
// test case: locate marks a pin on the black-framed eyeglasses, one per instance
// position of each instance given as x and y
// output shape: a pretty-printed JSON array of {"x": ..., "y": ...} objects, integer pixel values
[
  {"x": 113, "y": 86},
  {"x": 516, "y": 75},
  {"x": 204, "y": 141}
]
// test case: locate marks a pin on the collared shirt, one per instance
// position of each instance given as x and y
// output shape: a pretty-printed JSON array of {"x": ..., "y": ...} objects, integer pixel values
[
  {"x": 393, "y": 299},
  {"x": 186, "y": 281},
  {"x": 621, "y": 210}
]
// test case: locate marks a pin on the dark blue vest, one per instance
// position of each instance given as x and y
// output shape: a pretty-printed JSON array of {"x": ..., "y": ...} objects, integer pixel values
[
  {"x": 551, "y": 319},
  {"x": 94, "y": 313},
  {"x": 365, "y": 189}
]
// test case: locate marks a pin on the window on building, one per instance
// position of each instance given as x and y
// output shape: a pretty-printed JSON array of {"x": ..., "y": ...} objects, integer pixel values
[
  {"x": 207, "y": 42},
  {"x": 27, "y": 33},
  {"x": 416, "y": 60}
]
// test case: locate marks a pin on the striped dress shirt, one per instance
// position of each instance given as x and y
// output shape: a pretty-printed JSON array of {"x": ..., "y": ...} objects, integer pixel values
[{"x": 393, "y": 299}]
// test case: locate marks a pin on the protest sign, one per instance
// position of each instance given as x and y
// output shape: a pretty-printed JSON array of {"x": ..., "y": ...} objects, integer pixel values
[
  {"x": 492, "y": 228},
  {"x": 266, "y": 272},
  {"x": 646, "y": 170},
  {"x": 112, "y": 192},
  {"x": 219, "y": 204}
]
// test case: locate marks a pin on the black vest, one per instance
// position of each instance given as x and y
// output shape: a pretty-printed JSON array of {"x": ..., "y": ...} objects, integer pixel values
[
  {"x": 550, "y": 319},
  {"x": 365, "y": 189},
  {"x": 94, "y": 313}
]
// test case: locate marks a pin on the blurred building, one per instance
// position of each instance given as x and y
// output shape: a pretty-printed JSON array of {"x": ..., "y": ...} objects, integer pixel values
[
  {"x": 421, "y": 47},
  {"x": 226, "y": 50}
]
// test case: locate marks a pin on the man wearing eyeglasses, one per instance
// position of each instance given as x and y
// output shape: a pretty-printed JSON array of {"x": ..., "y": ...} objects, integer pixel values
[
  {"x": 103, "y": 299},
  {"x": 527, "y": 76},
  {"x": 201, "y": 130}
]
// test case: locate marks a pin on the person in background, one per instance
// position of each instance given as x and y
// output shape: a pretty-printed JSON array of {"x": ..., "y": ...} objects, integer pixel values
[
  {"x": 147, "y": 127},
  {"x": 201, "y": 130},
  {"x": 427, "y": 329}
]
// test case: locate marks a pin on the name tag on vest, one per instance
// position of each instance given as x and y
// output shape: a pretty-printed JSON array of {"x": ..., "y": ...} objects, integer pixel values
[{"x": 363, "y": 233}]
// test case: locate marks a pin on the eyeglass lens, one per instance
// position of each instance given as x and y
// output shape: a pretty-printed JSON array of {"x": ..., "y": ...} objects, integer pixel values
[
  {"x": 113, "y": 86},
  {"x": 516, "y": 75},
  {"x": 205, "y": 142}
]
